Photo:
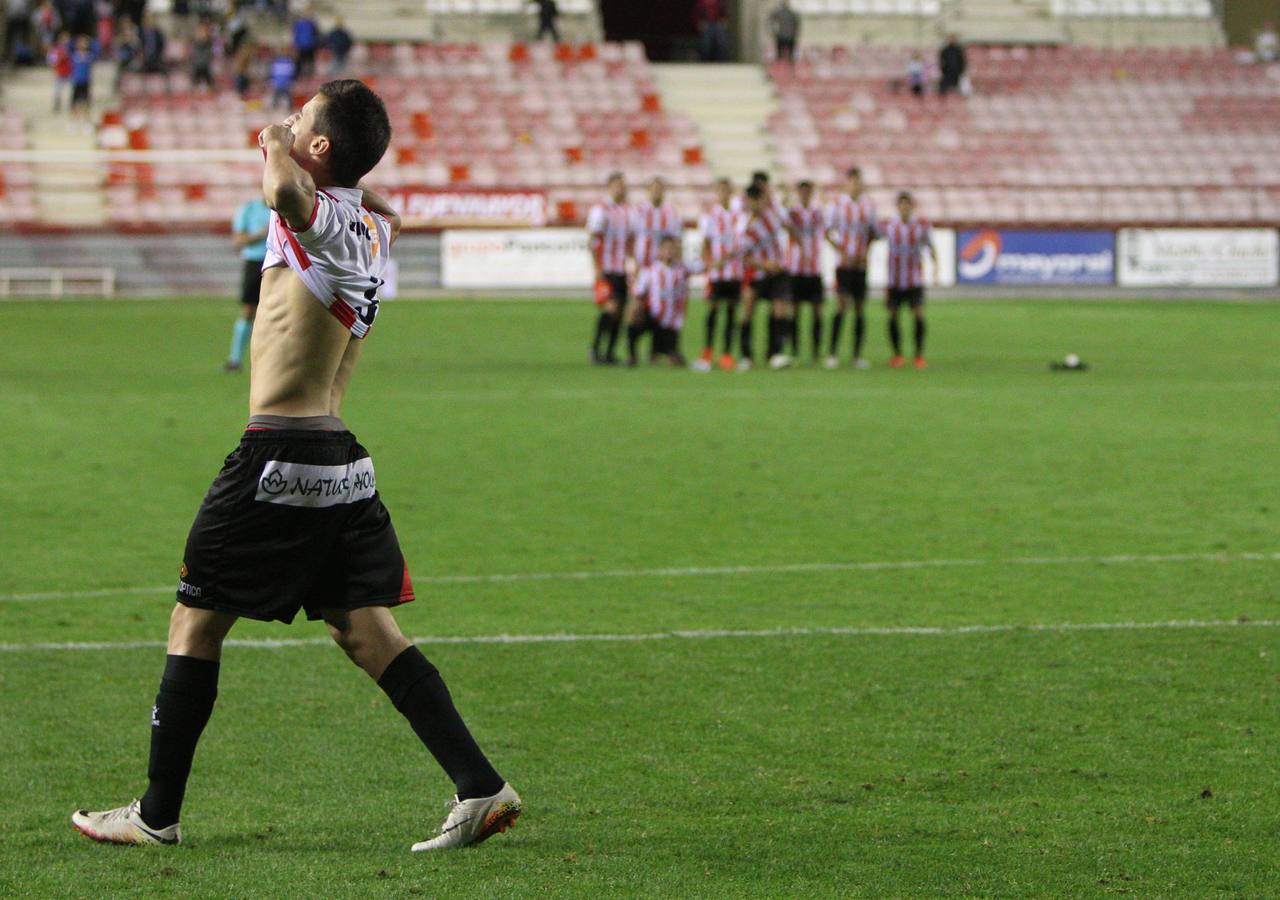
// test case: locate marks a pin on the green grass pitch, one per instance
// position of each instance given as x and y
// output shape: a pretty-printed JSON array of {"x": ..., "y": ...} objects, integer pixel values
[{"x": 903, "y": 756}]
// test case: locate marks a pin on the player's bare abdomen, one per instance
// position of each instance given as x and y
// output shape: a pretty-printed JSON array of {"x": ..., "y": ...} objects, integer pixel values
[{"x": 297, "y": 351}]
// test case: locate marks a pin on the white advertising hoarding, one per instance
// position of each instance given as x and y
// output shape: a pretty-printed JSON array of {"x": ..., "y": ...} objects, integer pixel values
[
  {"x": 558, "y": 258},
  {"x": 1198, "y": 257}
]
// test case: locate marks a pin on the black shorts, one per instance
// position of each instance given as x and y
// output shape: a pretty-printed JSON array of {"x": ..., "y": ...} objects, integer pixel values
[
  {"x": 726, "y": 290},
  {"x": 806, "y": 288},
  {"x": 251, "y": 282},
  {"x": 852, "y": 283},
  {"x": 913, "y": 297},
  {"x": 617, "y": 286},
  {"x": 666, "y": 341},
  {"x": 293, "y": 521},
  {"x": 771, "y": 287},
  {"x": 80, "y": 93}
]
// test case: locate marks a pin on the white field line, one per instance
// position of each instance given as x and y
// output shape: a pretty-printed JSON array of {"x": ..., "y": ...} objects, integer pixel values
[
  {"x": 696, "y": 571},
  {"x": 705, "y": 634}
]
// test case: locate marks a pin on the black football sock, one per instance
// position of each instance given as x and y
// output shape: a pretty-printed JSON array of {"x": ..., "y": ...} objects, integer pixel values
[
  {"x": 730, "y": 326},
  {"x": 859, "y": 332},
  {"x": 634, "y": 333},
  {"x": 712, "y": 316},
  {"x": 793, "y": 334},
  {"x": 417, "y": 690},
  {"x": 746, "y": 339},
  {"x": 183, "y": 706},
  {"x": 919, "y": 337},
  {"x": 837, "y": 323},
  {"x": 611, "y": 343},
  {"x": 771, "y": 337},
  {"x": 787, "y": 334},
  {"x": 895, "y": 337},
  {"x": 602, "y": 329},
  {"x": 817, "y": 332}
]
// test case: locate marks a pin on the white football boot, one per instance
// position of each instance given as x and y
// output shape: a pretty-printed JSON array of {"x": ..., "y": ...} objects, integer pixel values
[
  {"x": 831, "y": 362},
  {"x": 123, "y": 826},
  {"x": 744, "y": 365},
  {"x": 700, "y": 365},
  {"x": 472, "y": 821},
  {"x": 861, "y": 363},
  {"x": 779, "y": 361}
]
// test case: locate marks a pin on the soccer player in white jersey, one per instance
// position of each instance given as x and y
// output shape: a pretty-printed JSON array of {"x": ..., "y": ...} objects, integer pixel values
[
  {"x": 610, "y": 241},
  {"x": 718, "y": 227},
  {"x": 851, "y": 227},
  {"x": 909, "y": 237},
  {"x": 804, "y": 264},
  {"x": 663, "y": 288},
  {"x": 652, "y": 220},
  {"x": 294, "y": 520}
]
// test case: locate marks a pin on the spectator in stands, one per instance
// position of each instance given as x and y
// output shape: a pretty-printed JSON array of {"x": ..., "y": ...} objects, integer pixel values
[
  {"x": 917, "y": 75},
  {"x": 128, "y": 50},
  {"x": 202, "y": 57},
  {"x": 17, "y": 31},
  {"x": 283, "y": 73},
  {"x": 713, "y": 30},
  {"x": 60, "y": 62},
  {"x": 47, "y": 24},
  {"x": 242, "y": 66},
  {"x": 152, "y": 45},
  {"x": 306, "y": 40},
  {"x": 133, "y": 10},
  {"x": 784, "y": 25},
  {"x": 79, "y": 17},
  {"x": 548, "y": 13},
  {"x": 1266, "y": 45},
  {"x": 952, "y": 63},
  {"x": 236, "y": 29},
  {"x": 339, "y": 42},
  {"x": 82, "y": 60}
]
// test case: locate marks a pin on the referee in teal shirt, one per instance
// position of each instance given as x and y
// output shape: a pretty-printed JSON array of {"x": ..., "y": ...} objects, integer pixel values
[{"x": 249, "y": 233}]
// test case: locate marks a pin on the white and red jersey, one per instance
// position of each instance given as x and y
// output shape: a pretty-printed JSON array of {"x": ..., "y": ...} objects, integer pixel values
[
  {"x": 719, "y": 229},
  {"x": 853, "y": 223},
  {"x": 609, "y": 225},
  {"x": 650, "y": 224},
  {"x": 759, "y": 242},
  {"x": 664, "y": 290},
  {"x": 804, "y": 253},
  {"x": 340, "y": 255},
  {"x": 906, "y": 241}
]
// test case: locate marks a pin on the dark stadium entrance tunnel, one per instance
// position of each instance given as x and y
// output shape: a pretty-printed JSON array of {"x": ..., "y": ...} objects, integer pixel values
[{"x": 667, "y": 28}]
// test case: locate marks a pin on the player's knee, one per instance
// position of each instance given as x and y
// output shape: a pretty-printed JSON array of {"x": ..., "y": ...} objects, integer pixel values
[{"x": 198, "y": 632}]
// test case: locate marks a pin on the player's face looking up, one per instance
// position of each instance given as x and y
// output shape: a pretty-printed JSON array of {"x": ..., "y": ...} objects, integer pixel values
[
  {"x": 854, "y": 183},
  {"x": 657, "y": 190},
  {"x": 310, "y": 150},
  {"x": 906, "y": 206},
  {"x": 724, "y": 191},
  {"x": 805, "y": 193},
  {"x": 667, "y": 251}
]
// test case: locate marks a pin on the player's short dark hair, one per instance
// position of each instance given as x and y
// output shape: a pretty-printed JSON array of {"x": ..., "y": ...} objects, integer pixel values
[
  {"x": 614, "y": 176},
  {"x": 754, "y": 192},
  {"x": 854, "y": 172},
  {"x": 759, "y": 176},
  {"x": 355, "y": 121},
  {"x": 667, "y": 239},
  {"x": 905, "y": 195},
  {"x": 724, "y": 180},
  {"x": 805, "y": 184}
]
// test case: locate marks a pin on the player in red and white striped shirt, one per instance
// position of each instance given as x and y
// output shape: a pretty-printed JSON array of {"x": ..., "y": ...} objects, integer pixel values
[
  {"x": 719, "y": 228},
  {"x": 652, "y": 221},
  {"x": 609, "y": 230},
  {"x": 851, "y": 227},
  {"x": 909, "y": 238},
  {"x": 804, "y": 263},
  {"x": 759, "y": 246},
  {"x": 663, "y": 288}
]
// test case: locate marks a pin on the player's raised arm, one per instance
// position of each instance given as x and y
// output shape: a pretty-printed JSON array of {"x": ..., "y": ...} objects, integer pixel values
[
  {"x": 376, "y": 203},
  {"x": 286, "y": 186}
]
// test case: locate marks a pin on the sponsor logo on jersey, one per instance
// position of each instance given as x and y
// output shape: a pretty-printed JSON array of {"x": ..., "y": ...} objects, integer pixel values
[{"x": 316, "y": 487}]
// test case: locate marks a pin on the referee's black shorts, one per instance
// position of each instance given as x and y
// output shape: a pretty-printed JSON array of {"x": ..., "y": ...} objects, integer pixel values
[{"x": 251, "y": 282}]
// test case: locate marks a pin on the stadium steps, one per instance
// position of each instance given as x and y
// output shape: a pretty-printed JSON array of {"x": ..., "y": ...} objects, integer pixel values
[
  {"x": 731, "y": 105},
  {"x": 405, "y": 20},
  {"x": 1004, "y": 22},
  {"x": 67, "y": 194}
]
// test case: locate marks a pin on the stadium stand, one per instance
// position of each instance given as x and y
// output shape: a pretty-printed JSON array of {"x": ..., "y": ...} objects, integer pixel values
[
  {"x": 17, "y": 181},
  {"x": 1051, "y": 135},
  {"x": 465, "y": 115}
]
